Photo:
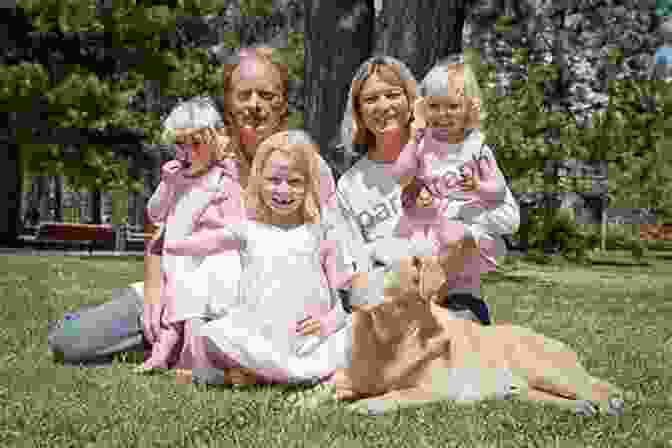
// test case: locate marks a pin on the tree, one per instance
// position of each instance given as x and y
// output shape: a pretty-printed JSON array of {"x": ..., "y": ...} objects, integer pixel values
[
  {"x": 422, "y": 34},
  {"x": 76, "y": 66},
  {"x": 338, "y": 38}
]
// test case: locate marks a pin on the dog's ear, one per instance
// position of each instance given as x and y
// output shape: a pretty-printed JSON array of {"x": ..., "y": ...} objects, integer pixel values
[{"x": 432, "y": 278}]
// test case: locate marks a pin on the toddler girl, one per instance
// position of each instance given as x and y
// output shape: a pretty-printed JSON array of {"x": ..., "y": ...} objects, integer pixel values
[
  {"x": 191, "y": 186},
  {"x": 454, "y": 180},
  {"x": 288, "y": 306}
]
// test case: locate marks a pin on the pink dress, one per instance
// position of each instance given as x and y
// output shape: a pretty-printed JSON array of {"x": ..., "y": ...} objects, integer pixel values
[
  {"x": 456, "y": 213},
  {"x": 187, "y": 206}
]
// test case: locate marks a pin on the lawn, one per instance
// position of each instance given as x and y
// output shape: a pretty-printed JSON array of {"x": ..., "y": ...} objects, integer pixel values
[{"x": 616, "y": 315}]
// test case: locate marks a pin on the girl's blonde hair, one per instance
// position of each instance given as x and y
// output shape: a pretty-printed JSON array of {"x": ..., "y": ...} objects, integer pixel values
[
  {"x": 301, "y": 148},
  {"x": 450, "y": 77},
  {"x": 390, "y": 71}
]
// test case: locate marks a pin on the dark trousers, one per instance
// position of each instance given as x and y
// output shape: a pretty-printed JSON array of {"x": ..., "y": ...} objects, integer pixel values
[{"x": 467, "y": 302}]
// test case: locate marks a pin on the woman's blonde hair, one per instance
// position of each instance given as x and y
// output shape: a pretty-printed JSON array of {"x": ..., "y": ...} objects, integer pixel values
[
  {"x": 390, "y": 71},
  {"x": 445, "y": 77},
  {"x": 301, "y": 148}
]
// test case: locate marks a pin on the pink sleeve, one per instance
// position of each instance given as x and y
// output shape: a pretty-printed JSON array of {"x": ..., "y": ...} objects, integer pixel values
[
  {"x": 327, "y": 186},
  {"x": 450, "y": 232},
  {"x": 224, "y": 207},
  {"x": 333, "y": 319},
  {"x": 407, "y": 163},
  {"x": 404, "y": 228},
  {"x": 160, "y": 203},
  {"x": 203, "y": 243},
  {"x": 329, "y": 256}
]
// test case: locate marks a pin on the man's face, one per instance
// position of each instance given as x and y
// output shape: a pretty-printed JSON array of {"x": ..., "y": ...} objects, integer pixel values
[{"x": 256, "y": 98}]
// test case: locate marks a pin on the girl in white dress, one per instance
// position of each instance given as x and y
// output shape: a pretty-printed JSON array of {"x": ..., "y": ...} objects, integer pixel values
[
  {"x": 202, "y": 178},
  {"x": 290, "y": 325}
]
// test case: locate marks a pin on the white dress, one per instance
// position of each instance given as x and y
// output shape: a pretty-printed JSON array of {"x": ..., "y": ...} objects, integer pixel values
[{"x": 281, "y": 283}]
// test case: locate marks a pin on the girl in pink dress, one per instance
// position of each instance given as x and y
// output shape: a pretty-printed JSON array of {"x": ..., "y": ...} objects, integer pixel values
[
  {"x": 203, "y": 178},
  {"x": 454, "y": 182}
]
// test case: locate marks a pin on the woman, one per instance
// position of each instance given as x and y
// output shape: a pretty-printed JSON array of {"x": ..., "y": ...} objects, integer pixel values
[
  {"x": 377, "y": 124},
  {"x": 255, "y": 98}
]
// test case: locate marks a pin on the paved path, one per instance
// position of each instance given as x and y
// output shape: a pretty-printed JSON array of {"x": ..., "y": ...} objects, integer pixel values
[{"x": 4, "y": 251}]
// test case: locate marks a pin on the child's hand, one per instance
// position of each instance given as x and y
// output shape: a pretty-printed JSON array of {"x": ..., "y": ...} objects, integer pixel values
[
  {"x": 419, "y": 116},
  {"x": 309, "y": 327},
  {"x": 480, "y": 177},
  {"x": 470, "y": 177},
  {"x": 171, "y": 171}
]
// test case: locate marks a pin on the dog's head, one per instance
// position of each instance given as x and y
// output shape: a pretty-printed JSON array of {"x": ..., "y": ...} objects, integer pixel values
[{"x": 420, "y": 276}]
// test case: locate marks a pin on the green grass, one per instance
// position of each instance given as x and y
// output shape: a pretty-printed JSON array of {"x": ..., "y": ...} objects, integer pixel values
[{"x": 617, "y": 317}]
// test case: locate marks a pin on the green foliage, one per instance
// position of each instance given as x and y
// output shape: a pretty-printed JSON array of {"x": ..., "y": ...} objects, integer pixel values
[
  {"x": 82, "y": 99},
  {"x": 296, "y": 120},
  {"x": 256, "y": 7},
  {"x": 633, "y": 140},
  {"x": 293, "y": 56}
]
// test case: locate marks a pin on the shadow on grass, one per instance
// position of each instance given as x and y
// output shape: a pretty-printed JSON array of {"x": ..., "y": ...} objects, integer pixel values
[
  {"x": 130, "y": 357},
  {"x": 663, "y": 256},
  {"x": 608, "y": 262},
  {"x": 500, "y": 277},
  {"x": 130, "y": 257}
]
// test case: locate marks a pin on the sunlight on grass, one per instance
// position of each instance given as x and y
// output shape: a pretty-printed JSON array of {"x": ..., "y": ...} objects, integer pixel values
[{"x": 618, "y": 318}]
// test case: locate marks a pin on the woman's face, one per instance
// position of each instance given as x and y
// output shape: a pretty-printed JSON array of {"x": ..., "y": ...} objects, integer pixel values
[
  {"x": 284, "y": 185},
  {"x": 256, "y": 99},
  {"x": 383, "y": 105}
]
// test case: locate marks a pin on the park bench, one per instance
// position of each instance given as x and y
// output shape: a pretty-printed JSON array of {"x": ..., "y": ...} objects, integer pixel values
[
  {"x": 91, "y": 235},
  {"x": 137, "y": 240}
]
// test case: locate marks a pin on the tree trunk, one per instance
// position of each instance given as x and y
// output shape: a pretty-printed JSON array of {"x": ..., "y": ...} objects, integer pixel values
[
  {"x": 422, "y": 32},
  {"x": 338, "y": 37},
  {"x": 10, "y": 199},
  {"x": 42, "y": 197},
  {"x": 58, "y": 198},
  {"x": 95, "y": 207}
]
